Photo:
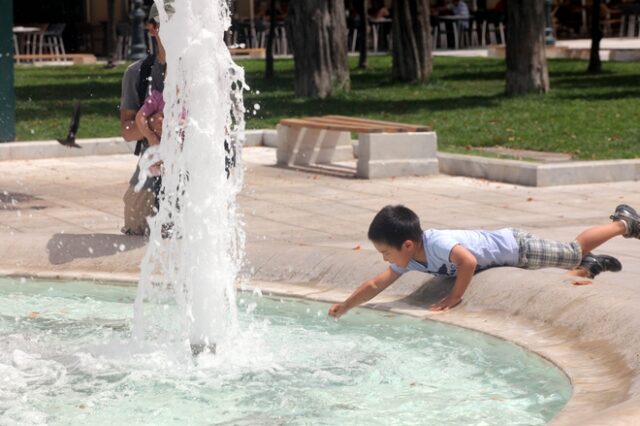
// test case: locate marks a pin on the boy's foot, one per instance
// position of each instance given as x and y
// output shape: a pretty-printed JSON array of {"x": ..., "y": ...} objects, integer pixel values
[
  {"x": 630, "y": 217},
  {"x": 596, "y": 263}
]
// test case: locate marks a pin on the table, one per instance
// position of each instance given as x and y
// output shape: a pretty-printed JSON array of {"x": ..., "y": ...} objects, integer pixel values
[
  {"x": 27, "y": 40},
  {"x": 457, "y": 23}
]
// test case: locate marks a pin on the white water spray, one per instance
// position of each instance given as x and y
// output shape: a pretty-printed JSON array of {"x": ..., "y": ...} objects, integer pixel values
[{"x": 199, "y": 263}]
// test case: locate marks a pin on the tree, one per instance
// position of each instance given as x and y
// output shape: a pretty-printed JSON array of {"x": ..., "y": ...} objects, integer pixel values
[
  {"x": 319, "y": 47},
  {"x": 595, "y": 65},
  {"x": 268, "y": 72},
  {"x": 526, "y": 61},
  {"x": 364, "y": 31},
  {"x": 411, "y": 35}
]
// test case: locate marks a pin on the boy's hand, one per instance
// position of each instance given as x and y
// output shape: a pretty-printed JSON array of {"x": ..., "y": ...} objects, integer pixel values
[
  {"x": 466, "y": 263},
  {"x": 446, "y": 303},
  {"x": 338, "y": 310}
]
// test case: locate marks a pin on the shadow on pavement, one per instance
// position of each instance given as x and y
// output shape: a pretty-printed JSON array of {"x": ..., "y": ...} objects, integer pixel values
[
  {"x": 64, "y": 248},
  {"x": 429, "y": 293}
]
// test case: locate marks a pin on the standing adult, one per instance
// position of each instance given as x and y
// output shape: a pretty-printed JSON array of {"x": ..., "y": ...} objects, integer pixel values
[{"x": 139, "y": 80}]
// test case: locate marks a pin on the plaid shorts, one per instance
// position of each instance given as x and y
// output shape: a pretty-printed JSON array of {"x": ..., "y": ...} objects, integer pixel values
[{"x": 536, "y": 253}]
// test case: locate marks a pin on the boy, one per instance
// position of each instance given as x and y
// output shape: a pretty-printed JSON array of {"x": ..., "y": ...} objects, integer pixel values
[{"x": 396, "y": 233}]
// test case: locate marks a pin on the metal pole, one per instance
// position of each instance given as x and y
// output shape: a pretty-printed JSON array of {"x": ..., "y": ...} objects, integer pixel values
[
  {"x": 138, "y": 46},
  {"x": 7, "y": 91},
  {"x": 110, "y": 31},
  {"x": 548, "y": 25},
  {"x": 252, "y": 25}
]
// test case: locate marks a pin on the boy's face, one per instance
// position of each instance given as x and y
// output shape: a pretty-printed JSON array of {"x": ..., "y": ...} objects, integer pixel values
[{"x": 400, "y": 257}]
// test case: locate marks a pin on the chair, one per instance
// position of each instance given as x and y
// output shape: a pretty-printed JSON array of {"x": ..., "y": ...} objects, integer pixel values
[
  {"x": 52, "y": 41},
  {"x": 468, "y": 34},
  {"x": 609, "y": 17},
  {"x": 492, "y": 27},
  {"x": 352, "y": 37},
  {"x": 490, "y": 32},
  {"x": 630, "y": 25},
  {"x": 16, "y": 48},
  {"x": 282, "y": 43},
  {"x": 440, "y": 37},
  {"x": 381, "y": 36},
  {"x": 255, "y": 35}
]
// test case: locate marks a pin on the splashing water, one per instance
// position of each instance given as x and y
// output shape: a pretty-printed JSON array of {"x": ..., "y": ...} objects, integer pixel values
[{"x": 198, "y": 263}]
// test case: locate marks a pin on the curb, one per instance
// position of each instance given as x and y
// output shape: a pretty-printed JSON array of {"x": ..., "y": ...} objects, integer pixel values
[
  {"x": 36, "y": 150},
  {"x": 500, "y": 170},
  {"x": 537, "y": 174}
]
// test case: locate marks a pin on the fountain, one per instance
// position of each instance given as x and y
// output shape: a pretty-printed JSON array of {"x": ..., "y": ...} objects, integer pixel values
[
  {"x": 202, "y": 135},
  {"x": 71, "y": 358}
]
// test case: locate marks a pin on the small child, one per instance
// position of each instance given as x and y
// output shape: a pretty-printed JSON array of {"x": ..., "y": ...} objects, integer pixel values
[
  {"x": 396, "y": 233},
  {"x": 154, "y": 103}
]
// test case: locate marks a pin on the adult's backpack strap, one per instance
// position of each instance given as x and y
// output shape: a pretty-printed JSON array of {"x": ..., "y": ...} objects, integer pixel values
[
  {"x": 143, "y": 89},
  {"x": 143, "y": 78}
]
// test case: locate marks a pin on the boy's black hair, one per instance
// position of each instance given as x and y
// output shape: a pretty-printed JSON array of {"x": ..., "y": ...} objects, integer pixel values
[{"x": 393, "y": 225}]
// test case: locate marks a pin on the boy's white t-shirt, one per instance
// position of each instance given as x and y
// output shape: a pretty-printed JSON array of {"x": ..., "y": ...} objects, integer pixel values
[{"x": 490, "y": 248}]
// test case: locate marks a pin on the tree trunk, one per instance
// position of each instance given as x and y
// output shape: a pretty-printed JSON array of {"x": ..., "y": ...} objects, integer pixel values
[
  {"x": 364, "y": 34},
  {"x": 411, "y": 34},
  {"x": 268, "y": 71},
  {"x": 319, "y": 47},
  {"x": 526, "y": 61},
  {"x": 595, "y": 65}
]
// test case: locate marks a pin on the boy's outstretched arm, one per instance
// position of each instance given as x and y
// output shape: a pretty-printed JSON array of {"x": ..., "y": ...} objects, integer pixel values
[
  {"x": 367, "y": 291},
  {"x": 466, "y": 264}
]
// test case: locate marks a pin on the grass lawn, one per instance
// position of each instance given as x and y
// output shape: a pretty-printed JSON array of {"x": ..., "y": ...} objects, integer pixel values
[{"x": 589, "y": 116}]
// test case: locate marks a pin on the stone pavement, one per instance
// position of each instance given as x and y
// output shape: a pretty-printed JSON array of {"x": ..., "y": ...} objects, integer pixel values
[{"x": 69, "y": 198}]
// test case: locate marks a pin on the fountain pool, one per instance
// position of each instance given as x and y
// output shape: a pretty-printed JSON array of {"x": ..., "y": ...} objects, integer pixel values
[{"x": 67, "y": 357}]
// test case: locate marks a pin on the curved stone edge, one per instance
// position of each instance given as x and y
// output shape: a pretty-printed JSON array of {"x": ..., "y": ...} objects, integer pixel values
[{"x": 590, "y": 332}]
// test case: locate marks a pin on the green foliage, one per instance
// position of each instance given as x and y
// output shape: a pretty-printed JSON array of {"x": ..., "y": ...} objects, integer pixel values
[
  {"x": 45, "y": 95},
  {"x": 590, "y": 116}
]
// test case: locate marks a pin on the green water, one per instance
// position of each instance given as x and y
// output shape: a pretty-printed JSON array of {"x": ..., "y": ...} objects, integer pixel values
[{"x": 67, "y": 358}]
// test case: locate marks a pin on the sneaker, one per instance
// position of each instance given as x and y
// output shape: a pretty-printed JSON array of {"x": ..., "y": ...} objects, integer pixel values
[
  {"x": 630, "y": 217},
  {"x": 595, "y": 263}
]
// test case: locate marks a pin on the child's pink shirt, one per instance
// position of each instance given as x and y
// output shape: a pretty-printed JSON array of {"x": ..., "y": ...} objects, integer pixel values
[{"x": 154, "y": 103}]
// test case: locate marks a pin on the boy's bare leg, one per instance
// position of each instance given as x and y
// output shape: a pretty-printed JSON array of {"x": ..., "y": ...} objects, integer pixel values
[
  {"x": 598, "y": 235},
  {"x": 594, "y": 237}
]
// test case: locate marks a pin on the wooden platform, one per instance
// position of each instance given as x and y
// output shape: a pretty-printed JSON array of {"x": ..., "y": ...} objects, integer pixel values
[
  {"x": 257, "y": 52},
  {"x": 76, "y": 58},
  {"x": 353, "y": 124}
]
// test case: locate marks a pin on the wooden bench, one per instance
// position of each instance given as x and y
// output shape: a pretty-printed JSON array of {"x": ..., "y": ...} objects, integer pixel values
[
  {"x": 257, "y": 52},
  {"x": 76, "y": 58},
  {"x": 384, "y": 149}
]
